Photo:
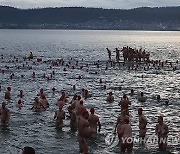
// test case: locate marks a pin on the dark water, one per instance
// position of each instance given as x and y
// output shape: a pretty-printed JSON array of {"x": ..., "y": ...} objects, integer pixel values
[{"x": 38, "y": 129}]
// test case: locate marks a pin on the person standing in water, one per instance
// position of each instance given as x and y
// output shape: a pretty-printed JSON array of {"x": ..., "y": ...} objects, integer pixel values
[
  {"x": 120, "y": 121},
  {"x": 94, "y": 121},
  {"x": 31, "y": 56},
  {"x": 4, "y": 114},
  {"x": 124, "y": 104},
  {"x": 125, "y": 132},
  {"x": 59, "y": 116},
  {"x": 7, "y": 93},
  {"x": 142, "y": 124},
  {"x": 109, "y": 53},
  {"x": 110, "y": 97},
  {"x": 162, "y": 133}
]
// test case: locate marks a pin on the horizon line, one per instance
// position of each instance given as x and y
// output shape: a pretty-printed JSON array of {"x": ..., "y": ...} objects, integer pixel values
[{"x": 51, "y": 7}]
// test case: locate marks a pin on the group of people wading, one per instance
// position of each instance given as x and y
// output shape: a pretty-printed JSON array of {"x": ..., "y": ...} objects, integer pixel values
[
  {"x": 87, "y": 123},
  {"x": 130, "y": 54},
  {"x": 84, "y": 120}
]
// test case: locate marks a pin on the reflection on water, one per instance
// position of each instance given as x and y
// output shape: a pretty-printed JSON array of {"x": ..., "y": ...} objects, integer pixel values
[{"x": 27, "y": 128}]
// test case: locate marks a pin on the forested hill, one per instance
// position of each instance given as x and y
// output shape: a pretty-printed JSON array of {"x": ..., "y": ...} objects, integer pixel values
[{"x": 164, "y": 18}]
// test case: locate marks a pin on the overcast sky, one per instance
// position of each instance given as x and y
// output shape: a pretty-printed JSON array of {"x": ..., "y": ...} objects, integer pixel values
[{"x": 121, "y": 4}]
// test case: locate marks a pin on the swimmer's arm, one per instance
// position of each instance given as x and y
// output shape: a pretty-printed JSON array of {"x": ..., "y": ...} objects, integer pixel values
[
  {"x": 55, "y": 115},
  {"x": 43, "y": 106},
  {"x": 115, "y": 127},
  {"x": 166, "y": 130},
  {"x": 99, "y": 124},
  {"x": 32, "y": 107},
  {"x": 156, "y": 130},
  {"x": 64, "y": 115}
]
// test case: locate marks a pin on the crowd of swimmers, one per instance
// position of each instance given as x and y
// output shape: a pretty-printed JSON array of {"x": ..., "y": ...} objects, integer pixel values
[
  {"x": 84, "y": 120},
  {"x": 137, "y": 55},
  {"x": 129, "y": 54}
]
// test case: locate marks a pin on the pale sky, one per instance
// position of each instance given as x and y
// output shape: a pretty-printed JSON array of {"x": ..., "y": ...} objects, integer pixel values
[{"x": 118, "y": 4}]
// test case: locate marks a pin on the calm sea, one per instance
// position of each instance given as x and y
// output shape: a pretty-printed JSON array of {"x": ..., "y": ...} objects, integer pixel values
[{"x": 27, "y": 128}]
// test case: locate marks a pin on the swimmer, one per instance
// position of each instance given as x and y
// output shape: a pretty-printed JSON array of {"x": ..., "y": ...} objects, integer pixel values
[
  {"x": 19, "y": 104},
  {"x": 85, "y": 93},
  {"x": 110, "y": 97},
  {"x": 59, "y": 116},
  {"x": 44, "y": 101},
  {"x": 142, "y": 124},
  {"x": 125, "y": 132},
  {"x": 41, "y": 93},
  {"x": 120, "y": 120},
  {"x": 7, "y": 93},
  {"x": 73, "y": 121},
  {"x": 63, "y": 96},
  {"x": 80, "y": 108},
  {"x": 60, "y": 102},
  {"x": 4, "y": 114},
  {"x": 84, "y": 132},
  {"x": 124, "y": 104},
  {"x": 142, "y": 98},
  {"x": 31, "y": 56},
  {"x": 158, "y": 98},
  {"x": 37, "y": 106},
  {"x": 94, "y": 121},
  {"x": 34, "y": 74},
  {"x": 132, "y": 92},
  {"x": 162, "y": 133},
  {"x": 72, "y": 102},
  {"x": 74, "y": 87},
  {"x": 21, "y": 94}
]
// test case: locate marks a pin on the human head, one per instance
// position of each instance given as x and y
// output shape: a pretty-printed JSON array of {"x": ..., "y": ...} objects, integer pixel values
[
  {"x": 124, "y": 96},
  {"x": 21, "y": 91},
  {"x": 140, "y": 111},
  {"x": 92, "y": 110},
  {"x": 19, "y": 101},
  {"x": 28, "y": 150},
  {"x": 79, "y": 97},
  {"x": 3, "y": 105},
  {"x": 160, "y": 119},
  {"x": 43, "y": 96},
  {"x": 41, "y": 90},
  {"x": 9, "y": 88},
  {"x": 142, "y": 94},
  {"x": 36, "y": 99}
]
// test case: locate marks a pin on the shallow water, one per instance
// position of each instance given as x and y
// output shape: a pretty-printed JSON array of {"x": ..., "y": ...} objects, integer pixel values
[{"x": 38, "y": 129}]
